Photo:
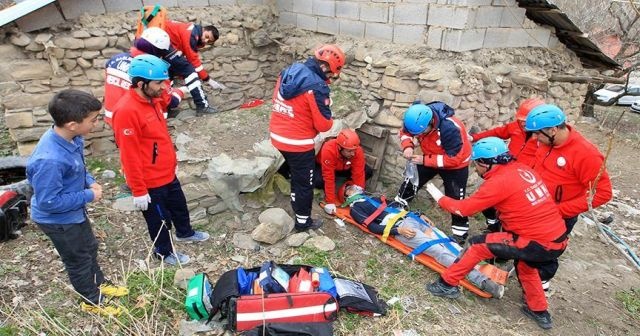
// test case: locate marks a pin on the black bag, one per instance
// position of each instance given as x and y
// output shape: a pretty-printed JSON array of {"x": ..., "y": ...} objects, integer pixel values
[
  {"x": 292, "y": 329},
  {"x": 359, "y": 298},
  {"x": 13, "y": 214}
]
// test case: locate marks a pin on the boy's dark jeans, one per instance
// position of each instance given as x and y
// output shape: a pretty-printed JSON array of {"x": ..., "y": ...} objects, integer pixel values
[{"x": 78, "y": 249}]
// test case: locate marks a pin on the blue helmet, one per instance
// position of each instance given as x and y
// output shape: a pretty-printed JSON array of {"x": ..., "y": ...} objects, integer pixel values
[
  {"x": 417, "y": 118},
  {"x": 544, "y": 116},
  {"x": 149, "y": 67},
  {"x": 488, "y": 148}
]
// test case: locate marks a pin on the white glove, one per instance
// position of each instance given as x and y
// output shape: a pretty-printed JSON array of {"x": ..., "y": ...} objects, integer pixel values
[
  {"x": 330, "y": 209},
  {"x": 434, "y": 191},
  {"x": 470, "y": 137},
  {"x": 216, "y": 85},
  {"x": 142, "y": 202}
]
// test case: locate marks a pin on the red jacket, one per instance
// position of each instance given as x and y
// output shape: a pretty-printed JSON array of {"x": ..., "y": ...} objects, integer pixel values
[
  {"x": 524, "y": 204},
  {"x": 524, "y": 152},
  {"x": 117, "y": 82},
  {"x": 330, "y": 160},
  {"x": 437, "y": 153},
  {"x": 146, "y": 151},
  {"x": 300, "y": 108},
  {"x": 569, "y": 171},
  {"x": 186, "y": 37}
]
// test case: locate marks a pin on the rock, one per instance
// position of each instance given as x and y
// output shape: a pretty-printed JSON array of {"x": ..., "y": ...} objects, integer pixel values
[
  {"x": 275, "y": 224},
  {"x": 239, "y": 258},
  {"x": 96, "y": 43},
  {"x": 244, "y": 241},
  {"x": 373, "y": 109},
  {"x": 27, "y": 134},
  {"x": 557, "y": 92},
  {"x": 400, "y": 85},
  {"x": 182, "y": 277},
  {"x": 108, "y": 174},
  {"x": 20, "y": 40},
  {"x": 124, "y": 204},
  {"x": 260, "y": 38},
  {"x": 28, "y": 69},
  {"x": 247, "y": 66},
  {"x": 297, "y": 239},
  {"x": 80, "y": 34},
  {"x": 69, "y": 42},
  {"x": 18, "y": 119},
  {"x": 385, "y": 118},
  {"x": 321, "y": 243}
]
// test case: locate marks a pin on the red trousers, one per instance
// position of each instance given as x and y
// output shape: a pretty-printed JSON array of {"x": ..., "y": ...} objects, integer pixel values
[{"x": 526, "y": 254}]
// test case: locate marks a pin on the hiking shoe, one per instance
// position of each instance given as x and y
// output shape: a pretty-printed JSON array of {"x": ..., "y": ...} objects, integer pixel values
[
  {"x": 174, "y": 258},
  {"x": 315, "y": 224},
  {"x": 101, "y": 309},
  {"x": 496, "y": 290},
  {"x": 543, "y": 319},
  {"x": 198, "y": 236},
  {"x": 461, "y": 240},
  {"x": 546, "y": 285},
  {"x": 493, "y": 225},
  {"x": 206, "y": 110},
  {"x": 107, "y": 288},
  {"x": 440, "y": 288}
]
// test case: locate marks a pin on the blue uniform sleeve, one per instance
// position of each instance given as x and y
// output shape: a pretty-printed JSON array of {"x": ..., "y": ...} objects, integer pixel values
[
  {"x": 321, "y": 94},
  {"x": 89, "y": 180},
  {"x": 45, "y": 176},
  {"x": 450, "y": 137}
]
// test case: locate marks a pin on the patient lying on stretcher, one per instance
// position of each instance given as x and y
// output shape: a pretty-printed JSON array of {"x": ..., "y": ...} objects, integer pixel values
[{"x": 412, "y": 231}]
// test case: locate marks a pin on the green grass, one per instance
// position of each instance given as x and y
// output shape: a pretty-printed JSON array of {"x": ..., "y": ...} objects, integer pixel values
[
  {"x": 8, "y": 331},
  {"x": 147, "y": 288},
  {"x": 97, "y": 165},
  {"x": 313, "y": 257},
  {"x": 630, "y": 301},
  {"x": 7, "y": 269}
]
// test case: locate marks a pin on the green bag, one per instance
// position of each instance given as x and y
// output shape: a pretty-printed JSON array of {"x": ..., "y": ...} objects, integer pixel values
[{"x": 198, "y": 301}]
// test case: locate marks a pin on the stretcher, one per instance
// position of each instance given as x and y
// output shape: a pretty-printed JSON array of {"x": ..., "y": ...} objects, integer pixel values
[{"x": 492, "y": 272}]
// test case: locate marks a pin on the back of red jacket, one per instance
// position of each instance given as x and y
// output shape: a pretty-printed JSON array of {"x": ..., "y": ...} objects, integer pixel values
[
  {"x": 524, "y": 153},
  {"x": 330, "y": 160},
  {"x": 186, "y": 37},
  {"x": 147, "y": 154},
  {"x": 570, "y": 170},
  {"x": 522, "y": 200}
]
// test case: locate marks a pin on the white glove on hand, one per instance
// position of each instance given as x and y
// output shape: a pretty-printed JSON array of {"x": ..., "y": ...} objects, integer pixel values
[
  {"x": 434, "y": 191},
  {"x": 330, "y": 209},
  {"x": 216, "y": 85},
  {"x": 470, "y": 137},
  {"x": 142, "y": 202}
]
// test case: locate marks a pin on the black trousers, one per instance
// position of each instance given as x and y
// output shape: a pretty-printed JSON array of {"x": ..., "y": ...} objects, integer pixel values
[
  {"x": 455, "y": 185},
  {"x": 168, "y": 204},
  {"x": 302, "y": 170},
  {"x": 548, "y": 269},
  {"x": 78, "y": 249},
  {"x": 318, "y": 180},
  {"x": 180, "y": 66}
]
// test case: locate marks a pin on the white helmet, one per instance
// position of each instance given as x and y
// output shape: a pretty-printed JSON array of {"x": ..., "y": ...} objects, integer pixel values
[{"x": 157, "y": 37}]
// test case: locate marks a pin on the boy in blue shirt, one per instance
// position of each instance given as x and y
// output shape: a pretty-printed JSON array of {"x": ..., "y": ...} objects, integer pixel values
[{"x": 62, "y": 188}]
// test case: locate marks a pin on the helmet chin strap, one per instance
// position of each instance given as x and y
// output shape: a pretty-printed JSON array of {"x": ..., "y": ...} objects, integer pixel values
[{"x": 551, "y": 138}]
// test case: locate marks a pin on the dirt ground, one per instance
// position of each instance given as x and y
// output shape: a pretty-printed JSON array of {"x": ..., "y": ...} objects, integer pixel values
[{"x": 584, "y": 298}]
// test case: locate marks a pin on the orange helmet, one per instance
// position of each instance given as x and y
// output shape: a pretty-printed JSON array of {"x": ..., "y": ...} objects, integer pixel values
[
  {"x": 333, "y": 55},
  {"x": 526, "y": 106},
  {"x": 348, "y": 139},
  {"x": 342, "y": 190}
]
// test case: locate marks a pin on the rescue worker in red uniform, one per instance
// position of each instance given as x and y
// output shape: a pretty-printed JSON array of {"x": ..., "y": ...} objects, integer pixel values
[
  {"x": 533, "y": 228},
  {"x": 342, "y": 157},
  {"x": 301, "y": 109},
  {"x": 149, "y": 160},
  {"x": 570, "y": 166},
  {"x": 522, "y": 147},
  {"x": 445, "y": 152},
  {"x": 189, "y": 38}
]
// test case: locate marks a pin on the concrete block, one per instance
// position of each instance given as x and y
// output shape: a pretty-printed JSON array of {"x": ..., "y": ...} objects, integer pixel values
[
  {"x": 513, "y": 17},
  {"x": 539, "y": 37},
  {"x": 409, "y": 34},
  {"x": 193, "y": 3},
  {"x": 351, "y": 28},
  {"x": 488, "y": 16},
  {"x": 251, "y": 2},
  {"x": 348, "y": 10},
  {"x": 469, "y": 2},
  {"x": 324, "y": 8},
  {"x": 410, "y": 14},
  {"x": 462, "y": 40},
  {"x": 165, "y": 3},
  {"x": 554, "y": 42},
  {"x": 434, "y": 37},
  {"x": 509, "y": 3},
  {"x": 378, "y": 31},
  {"x": 288, "y": 18},
  {"x": 71, "y": 9},
  {"x": 121, "y": 5},
  {"x": 44, "y": 17},
  {"x": 284, "y": 5},
  {"x": 307, "y": 22},
  {"x": 421, "y": 1},
  {"x": 451, "y": 16},
  {"x": 371, "y": 12},
  {"x": 496, "y": 37},
  {"x": 518, "y": 38},
  {"x": 303, "y": 6},
  {"x": 328, "y": 25}
]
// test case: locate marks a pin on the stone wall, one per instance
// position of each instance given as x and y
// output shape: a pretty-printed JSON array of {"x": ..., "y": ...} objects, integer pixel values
[
  {"x": 72, "y": 54},
  {"x": 454, "y": 25}
]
